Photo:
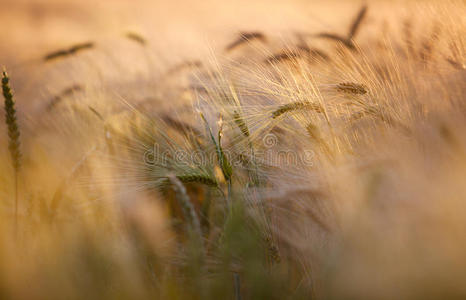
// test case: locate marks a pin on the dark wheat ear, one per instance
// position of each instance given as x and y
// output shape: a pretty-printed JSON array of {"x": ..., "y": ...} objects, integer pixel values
[
  {"x": 351, "y": 88},
  {"x": 13, "y": 135},
  {"x": 284, "y": 56},
  {"x": 11, "y": 122},
  {"x": 246, "y": 37},
  {"x": 67, "y": 52},
  {"x": 62, "y": 95},
  {"x": 293, "y": 106},
  {"x": 348, "y": 40},
  {"x": 357, "y": 22},
  {"x": 186, "y": 204},
  {"x": 135, "y": 37},
  {"x": 198, "y": 178}
]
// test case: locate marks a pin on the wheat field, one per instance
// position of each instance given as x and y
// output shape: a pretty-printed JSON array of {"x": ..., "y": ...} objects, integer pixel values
[{"x": 266, "y": 149}]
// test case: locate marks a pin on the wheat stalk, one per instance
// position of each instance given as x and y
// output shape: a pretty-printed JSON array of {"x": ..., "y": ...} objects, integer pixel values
[
  {"x": 237, "y": 284},
  {"x": 222, "y": 159}
]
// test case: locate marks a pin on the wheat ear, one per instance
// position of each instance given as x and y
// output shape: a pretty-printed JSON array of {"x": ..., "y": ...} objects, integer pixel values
[
  {"x": 198, "y": 178},
  {"x": 296, "y": 106},
  {"x": 69, "y": 51},
  {"x": 185, "y": 202},
  {"x": 135, "y": 37},
  {"x": 240, "y": 123},
  {"x": 352, "y": 88},
  {"x": 13, "y": 134}
]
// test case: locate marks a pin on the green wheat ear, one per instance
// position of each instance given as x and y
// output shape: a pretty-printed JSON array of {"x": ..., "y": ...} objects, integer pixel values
[{"x": 11, "y": 121}]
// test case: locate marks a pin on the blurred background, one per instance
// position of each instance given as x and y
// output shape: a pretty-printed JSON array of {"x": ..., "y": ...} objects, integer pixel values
[{"x": 174, "y": 32}]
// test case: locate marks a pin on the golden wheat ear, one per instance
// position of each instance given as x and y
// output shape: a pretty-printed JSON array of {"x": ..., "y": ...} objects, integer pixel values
[
  {"x": 293, "y": 106},
  {"x": 351, "y": 88}
]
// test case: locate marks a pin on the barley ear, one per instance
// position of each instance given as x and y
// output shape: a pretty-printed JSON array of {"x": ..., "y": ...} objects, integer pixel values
[
  {"x": 240, "y": 123},
  {"x": 13, "y": 129},
  {"x": 293, "y": 106},
  {"x": 185, "y": 202},
  {"x": 351, "y": 88},
  {"x": 13, "y": 135}
]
